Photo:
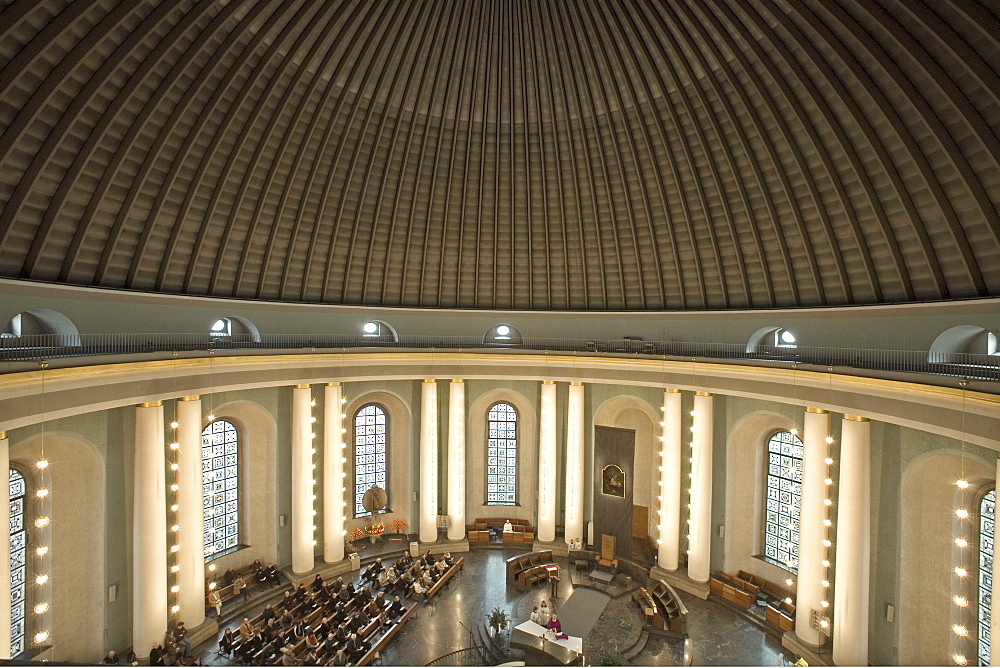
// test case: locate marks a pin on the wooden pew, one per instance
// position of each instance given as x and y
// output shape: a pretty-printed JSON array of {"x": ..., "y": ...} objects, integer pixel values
[
  {"x": 522, "y": 562},
  {"x": 458, "y": 565},
  {"x": 379, "y": 645}
]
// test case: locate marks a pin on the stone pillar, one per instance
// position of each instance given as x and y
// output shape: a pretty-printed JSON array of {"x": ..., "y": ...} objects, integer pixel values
[
  {"x": 574, "y": 463},
  {"x": 995, "y": 597},
  {"x": 456, "y": 460},
  {"x": 428, "y": 461},
  {"x": 547, "y": 465},
  {"x": 850, "y": 605},
  {"x": 149, "y": 530},
  {"x": 334, "y": 476},
  {"x": 700, "y": 528},
  {"x": 669, "y": 513},
  {"x": 191, "y": 513},
  {"x": 302, "y": 480},
  {"x": 810, "y": 593},
  {"x": 5, "y": 552}
]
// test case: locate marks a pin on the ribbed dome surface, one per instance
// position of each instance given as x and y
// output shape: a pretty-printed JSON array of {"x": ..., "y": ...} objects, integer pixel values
[{"x": 543, "y": 154}]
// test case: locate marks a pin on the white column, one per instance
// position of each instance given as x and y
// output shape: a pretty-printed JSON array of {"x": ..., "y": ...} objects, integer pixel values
[
  {"x": 810, "y": 592},
  {"x": 149, "y": 530},
  {"x": 302, "y": 480},
  {"x": 5, "y": 552},
  {"x": 850, "y": 604},
  {"x": 700, "y": 527},
  {"x": 547, "y": 465},
  {"x": 428, "y": 461},
  {"x": 669, "y": 520},
  {"x": 456, "y": 460},
  {"x": 191, "y": 513},
  {"x": 574, "y": 463},
  {"x": 334, "y": 476},
  {"x": 995, "y": 597}
]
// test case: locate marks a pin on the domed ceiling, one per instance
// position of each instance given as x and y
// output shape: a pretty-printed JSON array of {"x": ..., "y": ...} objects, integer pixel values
[{"x": 529, "y": 154}]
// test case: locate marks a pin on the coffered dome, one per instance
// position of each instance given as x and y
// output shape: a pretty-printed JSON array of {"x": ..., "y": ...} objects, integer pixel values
[{"x": 498, "y": 154}]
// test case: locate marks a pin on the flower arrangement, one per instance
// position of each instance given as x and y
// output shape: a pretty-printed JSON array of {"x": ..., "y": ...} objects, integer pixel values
[
  {"x": 357, "y": 534},
  {"x": 397, "y": 525},
  {"x": 375, "y": 529}
]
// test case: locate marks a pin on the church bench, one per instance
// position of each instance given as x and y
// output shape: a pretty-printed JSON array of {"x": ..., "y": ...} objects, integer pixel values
[
  {"x": 379, "y": 645},
  {"x": 522, "y": 562},
  {"x": 781, "y": 615},
  {"x": 226, "y": 591},
  {"x": 732, "y": 589},
  {"x": 459, "y": 564}
]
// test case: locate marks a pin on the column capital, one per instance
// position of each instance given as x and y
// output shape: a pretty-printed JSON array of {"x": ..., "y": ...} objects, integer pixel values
[
  {"x": 457, "y": 380},
  {"x": 671, "y": 390},
  {"x": 193, "y": 397},
  {"x": 333, "y": 384},
  {"x": 856, "y": 418},
  {"x": 548, "y": 382},
  {"x": 302, "y": 386},
  {"x": 702, "y": 394},
  {"x": 576, "y": 384},
  {"x": 430, "y": 380},
  {"x": 817, "y": 411},
  {"x": 150, "y": 404},
  {"x": 3, "y": 437}
]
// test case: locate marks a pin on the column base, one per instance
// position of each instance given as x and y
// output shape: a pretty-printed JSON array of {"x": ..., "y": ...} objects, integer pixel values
[
  {"x": 815, "y": 656},
  {"x": 679, "y": 579},
  {"x": 207, "y": 629}
]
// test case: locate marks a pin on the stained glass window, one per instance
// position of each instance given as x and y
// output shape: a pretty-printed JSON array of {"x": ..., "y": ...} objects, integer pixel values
[
  {"x": 501, "y": 465},
  {"x": 220, "y": 479},
  {"x": 784, "y": 495},
  {"x": 370, "y": 436},
  {"x": 987, "y": 508},
  {"x": 18, "y": 564}
]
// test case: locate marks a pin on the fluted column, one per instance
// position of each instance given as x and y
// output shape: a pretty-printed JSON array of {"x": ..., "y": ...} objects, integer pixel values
[
  {"x": 850, "y": 605},
  {"x": 5, "y": 551},
  {"x": 149, "y": 530},
  {"x": 547, "y": 465},
  {"x": 994, "y": 598},
  {"x": 669, "y": 520},
  {"x": 456, "y": 460},
  {"x": 334, "y": 478},
  {"x": 810, "y": 592},
  {"x": 574, "y": 463},
  {"x": 428, "y": 461},
  {"x": 302, "y": 480},
  {"x": 191, "y": 513},
  {"x": 700, "y": 528}
]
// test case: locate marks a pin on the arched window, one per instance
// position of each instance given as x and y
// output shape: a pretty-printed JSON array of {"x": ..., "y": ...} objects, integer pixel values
[
  {"x": 784, "y": 496},
  {"x": 370, "y": 438},
  {"x": 987, "y": 508},
  {"x": 18, "y": 562},
  {"x": 220, "y": 447},
  {"x": 501, "y": 464}
]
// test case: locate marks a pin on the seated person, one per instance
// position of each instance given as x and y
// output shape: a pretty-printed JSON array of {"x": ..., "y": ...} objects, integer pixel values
[
  {"x": 272, "y": 574},
  {"x": 300, "y": 594},
  {"x": 373, "y": 609},
  {"x": 246, "y": 629},
  {"x": 384, "y": 578},
  {"x": 441, "y": 565},
  {"x": 286, "y": 620},
  {"x": 428, "y": 559},
  {"x": 448, "y": 560},
  {"x": 130, "y": 658},
  {"x": 229, "y": 577},
  {"x": 311, "y": 640},
  {"x": 426, "y": 580},
  {"x": 396, "y": 609},
  {"x": 240, "y": 586},
  {"x": 227, "y": 642},
  {"x": 555, "y": 625},
  {"x": 508, "y": 527},
  {"x": 111, "y": 658},
  {"x": 417, "y": 588},
  {"x": 317, "y": 583},
  {"x": 339, "y": 658},
  {"x": 156, "y": 655},
  {"x": 268, "y": 614},
  {"x": 344, "y": 594},
  {"x": 351, "y": 589}
]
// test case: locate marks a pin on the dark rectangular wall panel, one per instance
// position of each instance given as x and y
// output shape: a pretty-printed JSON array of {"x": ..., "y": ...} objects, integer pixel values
[{"x": 613, "y": 497}]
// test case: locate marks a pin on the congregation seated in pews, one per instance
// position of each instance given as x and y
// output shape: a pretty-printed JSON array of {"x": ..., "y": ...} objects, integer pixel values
[
  {"x": 234, "y": 583},
  {"x": 514, "y": 530},
  {"x": 338, "y": 623}
]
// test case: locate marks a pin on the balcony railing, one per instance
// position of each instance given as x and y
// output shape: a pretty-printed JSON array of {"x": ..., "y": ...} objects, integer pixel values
[{"x": 54, "y": 346}]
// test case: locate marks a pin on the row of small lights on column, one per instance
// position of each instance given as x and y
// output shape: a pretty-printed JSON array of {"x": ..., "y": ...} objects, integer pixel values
[
  {"x": 689, "y": 534},
  {"x": 343, "y": 460},
  {"x": 312, "y": 467},
  {"x": 43, "y": 525},
  {"x": 661, "y": 511},
  {"x": 960, "y": 599},
  {"x": 175, "y": 548}
]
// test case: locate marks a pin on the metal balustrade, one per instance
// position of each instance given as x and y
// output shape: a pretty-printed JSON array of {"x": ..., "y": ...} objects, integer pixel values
[{"x": 55, "y": 346}]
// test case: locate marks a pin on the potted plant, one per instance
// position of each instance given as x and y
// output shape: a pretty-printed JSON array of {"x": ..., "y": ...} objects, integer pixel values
[{"x": 497, "y": 620}]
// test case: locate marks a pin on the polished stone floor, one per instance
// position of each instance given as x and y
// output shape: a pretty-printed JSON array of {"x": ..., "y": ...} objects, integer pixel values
[{"x": 718, "y": 635}]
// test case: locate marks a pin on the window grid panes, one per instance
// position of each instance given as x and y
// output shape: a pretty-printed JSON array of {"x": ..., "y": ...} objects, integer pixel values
[
  {"x": 784, "y": 495},
  {"x": 987, "y": 509},
  {"x": 369, "y": 453},
  {"x": 501, "y": 466},
  {"x": 18, "y": 564},
  {"x": 220, "y": 480}
]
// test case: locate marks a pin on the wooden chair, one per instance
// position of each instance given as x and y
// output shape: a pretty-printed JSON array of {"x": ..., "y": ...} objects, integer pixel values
[{"x": 607, "y": 559}]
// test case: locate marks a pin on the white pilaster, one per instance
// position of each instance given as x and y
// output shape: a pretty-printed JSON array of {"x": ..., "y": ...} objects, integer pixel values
[
  {"x": 669, "y": 520},
  {"x": 149, "y": 530},
  {"x": 850, "y": 605},
  {"x": 456, "y": 460},
  {"x": 700, "y": 528},
  {"x": 5, "y": 552},
  {"x": 810, "y": 592},
  {"x": 547, "y": 465},
  {"x": 334, "y": 478},
  {"x": 428, "y": 461},
  {"x": 191, "y": 513},
  {"x": 574, "y": 463},
  {"x": 302, "y": 480}
]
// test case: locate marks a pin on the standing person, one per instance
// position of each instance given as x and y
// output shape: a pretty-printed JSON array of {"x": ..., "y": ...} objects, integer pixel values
[
  {"x": 544, "y": 613},
  {"x": 535, "y": 617},
  {"x": 215, "y": 600},
  {"x": 240, "y": 586}
]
